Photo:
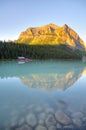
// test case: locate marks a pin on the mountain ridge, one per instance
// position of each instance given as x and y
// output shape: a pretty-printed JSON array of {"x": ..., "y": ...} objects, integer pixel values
[{"x": 51, "y": 34}]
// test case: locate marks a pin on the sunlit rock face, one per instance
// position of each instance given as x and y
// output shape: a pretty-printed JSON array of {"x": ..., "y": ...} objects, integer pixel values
[
  {"x": 54, "y": 81},
  {"x": 84, "y": 71},
  {"x": 85, "y": 46},
  {"x": 51, "y": 34}
]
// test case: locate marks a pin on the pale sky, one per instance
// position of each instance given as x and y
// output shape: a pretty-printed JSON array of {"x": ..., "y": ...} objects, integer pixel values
[{"x": 17, "y": 15}]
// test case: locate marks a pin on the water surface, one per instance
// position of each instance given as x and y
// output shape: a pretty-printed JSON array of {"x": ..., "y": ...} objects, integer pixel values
[{"x": 42, "y": 87}]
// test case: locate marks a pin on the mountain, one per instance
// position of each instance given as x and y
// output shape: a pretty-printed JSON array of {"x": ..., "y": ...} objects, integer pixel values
[{"x": 51, "y": 34}]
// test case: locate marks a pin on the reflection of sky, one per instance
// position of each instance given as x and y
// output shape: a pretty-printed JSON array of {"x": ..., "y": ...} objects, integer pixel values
[
  {"x": 76, "y": 94},
  {"x": 79, "y": 86}
]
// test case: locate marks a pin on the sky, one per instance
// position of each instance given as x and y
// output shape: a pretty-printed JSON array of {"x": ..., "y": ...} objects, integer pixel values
[{"x": 17, "y": 15}]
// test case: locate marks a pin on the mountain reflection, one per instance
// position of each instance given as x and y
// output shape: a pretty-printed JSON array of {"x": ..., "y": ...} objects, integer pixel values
[
  {"x": 50, "y": 75},
  {"x": 52, "y": 82}
]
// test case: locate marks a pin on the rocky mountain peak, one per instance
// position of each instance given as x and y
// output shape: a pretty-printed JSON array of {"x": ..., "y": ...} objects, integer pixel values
[
  {"x": 51, "y": 34},
  {"x": 65, "y": 26}
]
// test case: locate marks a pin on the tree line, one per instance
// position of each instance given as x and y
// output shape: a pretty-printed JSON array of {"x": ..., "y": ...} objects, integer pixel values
[{"x": 10, "y": 50}]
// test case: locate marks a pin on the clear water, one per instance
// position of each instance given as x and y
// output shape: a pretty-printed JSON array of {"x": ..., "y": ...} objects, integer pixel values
[{"x": 38, "y": 86}]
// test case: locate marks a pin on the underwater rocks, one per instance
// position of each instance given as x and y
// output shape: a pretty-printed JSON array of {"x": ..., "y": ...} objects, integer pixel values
[
  {"x": 24, "y": 127},
  {"x": 78, "y": 115},
  {"x": 52, "y": 127},
  {"x": 40, "y": 127},
  {"x": 77, "y": 122},
  {"x": 50, "y": 120},
  {"x": 31, "y": 120},
  {"x": 63, "y": 118},
  {"x": 46, "y": 117}
]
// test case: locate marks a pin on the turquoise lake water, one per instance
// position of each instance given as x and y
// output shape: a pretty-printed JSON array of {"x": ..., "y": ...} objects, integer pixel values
[{"x": 39, "y": 86}]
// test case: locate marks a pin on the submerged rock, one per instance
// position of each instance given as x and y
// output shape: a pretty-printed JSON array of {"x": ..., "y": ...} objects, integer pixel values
[
  {"x": 31, "y": 120},
  {"x": 42, "y": 116},
  {"x": 84, "y": 119},
  {"x": 58, "y": 126},
  {"x": 77, "y": 122},
  {"x": 41, "y": 122},
  {"x": 52, "y": 127},
  {"x": 68, "y": 127},
  {"x": 63, "y": 118},
  {"x": 24, "y": 127},
  {"x": 40, "y": 127},
  {"x": 78, "y": 115},
  {"x": 50, "y": 120}
]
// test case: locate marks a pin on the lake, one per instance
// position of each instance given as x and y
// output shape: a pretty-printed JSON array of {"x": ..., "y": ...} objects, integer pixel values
[{"x": 42, "y": 95}]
